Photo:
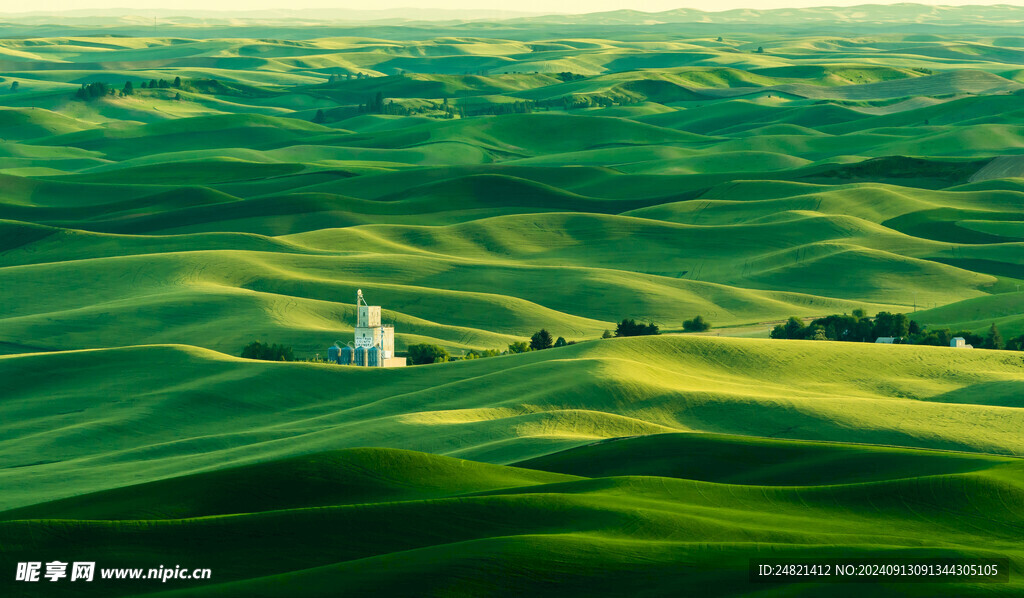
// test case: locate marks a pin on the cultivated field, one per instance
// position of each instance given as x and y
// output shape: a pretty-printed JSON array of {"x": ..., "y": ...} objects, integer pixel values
[{"x": 483, "y": 180}]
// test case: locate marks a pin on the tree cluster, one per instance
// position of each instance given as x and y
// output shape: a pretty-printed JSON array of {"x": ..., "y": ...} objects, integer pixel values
[
  {"x": 568, "y": 76},
  {"x": 98, "y": 89},
  {"x": 93, "y": 91},
  {"x": 540, "y": 340},
  {"x": 267, "y": 352},
  {"x": 629, "y": 327},
  {"x": 424, "y": 353},
  {"x": 859, "y": 328},
  {"x": 856, "y": 327},
  {"x": 474, "y": 354},
  {"x": 697, "y": 324}
]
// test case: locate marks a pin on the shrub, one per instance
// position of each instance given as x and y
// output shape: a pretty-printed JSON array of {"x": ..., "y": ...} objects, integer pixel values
[
  {"x": 424, "y": 353},
  {"x": 698, "y": 324},
  {"x": 474, "y": 354}
]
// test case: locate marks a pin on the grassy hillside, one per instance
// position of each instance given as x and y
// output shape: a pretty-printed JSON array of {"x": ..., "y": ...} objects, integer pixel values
[
  {"x": 455, "y": 525},
  {"x": 501, "y": 409},
  {"x": 172, "y": 189}
]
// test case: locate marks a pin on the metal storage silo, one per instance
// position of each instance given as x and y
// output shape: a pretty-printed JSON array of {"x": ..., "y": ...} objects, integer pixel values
[
  {"x": 333, "y": 353},
  {"x": 373, "y": 357},
  {"x": 346, "y": 356},
  {"x": 360, "y": 356}
]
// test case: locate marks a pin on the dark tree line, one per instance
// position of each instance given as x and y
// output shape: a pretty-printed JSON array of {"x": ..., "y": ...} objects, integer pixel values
[
  {"x": 93, "y": 91},
  {"x": 856, "y": 327},
  {"x": 98, "y": 89},
  {"x": 629, "y": 327},
  {"x": 568, "y": 76},
  {"x": 859, "y": 328},
  {"x": 162, "y": 84}
]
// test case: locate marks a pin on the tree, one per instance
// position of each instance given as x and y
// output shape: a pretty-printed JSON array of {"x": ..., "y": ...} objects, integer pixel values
[
  {"x": 883, "y": 325},
  {"x": 994, "y": 340},
  {"x": 760, "y": 50},
  {"x": 177, "y": 96},
  {"x": 164, "y": 84},
  {"x": 561, "y": 342},
  {"x": 128, "y": 89},
  {"x": 540, "y": 340},
  {"x": 698, "y": 324},
  {"x": 424, "y": 353},
  {"x": 266, "y": 352},
  {"x": 319, "y": 118},
  {"x": 177, "y": 82},
  {"x": 607, "y": 334},
  {"x": 939, "y": 338},
  {"x": 900, "y": 325},
  {"x": 93, "y": 91},
  {"x": 143, "y": 85},
  {"x": 518, "y": 347},
  {"x": 894, "y": 325},
  {"x": 1016, "y": 343},
  {"x": 14, "y": 86},
  {"x": 794, "y": 327},
  {"x": 719, "y": 38}
]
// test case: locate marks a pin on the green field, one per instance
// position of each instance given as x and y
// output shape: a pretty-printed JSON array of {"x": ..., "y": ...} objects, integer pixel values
[{"x": 483, "y": 179}]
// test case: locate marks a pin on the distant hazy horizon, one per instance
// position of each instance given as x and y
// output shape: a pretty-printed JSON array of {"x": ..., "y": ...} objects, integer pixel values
[{"x": 521, "y": 6}]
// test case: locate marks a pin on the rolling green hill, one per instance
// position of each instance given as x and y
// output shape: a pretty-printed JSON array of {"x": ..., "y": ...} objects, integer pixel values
[
  {"x": 482, "y": 179},
  {"x": 452, "y": 518},
  {"x": 501, "y": 409}
]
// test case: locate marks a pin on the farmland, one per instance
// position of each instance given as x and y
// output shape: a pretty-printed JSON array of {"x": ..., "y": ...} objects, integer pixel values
[{"x": 170, "y": 192}]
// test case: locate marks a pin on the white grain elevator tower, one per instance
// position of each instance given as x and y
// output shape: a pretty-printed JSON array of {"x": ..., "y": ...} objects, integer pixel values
[{"x": 374, "y": 342}]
